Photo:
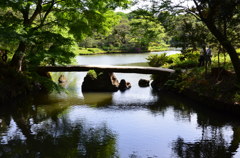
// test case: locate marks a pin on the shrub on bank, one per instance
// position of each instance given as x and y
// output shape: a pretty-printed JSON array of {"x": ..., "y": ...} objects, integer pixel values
[
  {"x": 18, "y": 84},
  {"x": 157, "y": 60},
  {"x": 184, "y": 61},
  {"x": 218, "y": 83}
]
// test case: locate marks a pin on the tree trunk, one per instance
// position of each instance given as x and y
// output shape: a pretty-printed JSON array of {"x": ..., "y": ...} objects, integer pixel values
[
  {"x": 227, "y": 46},
  {"x": 235, "y": 140},
  {"x": 18, "y": 56}
]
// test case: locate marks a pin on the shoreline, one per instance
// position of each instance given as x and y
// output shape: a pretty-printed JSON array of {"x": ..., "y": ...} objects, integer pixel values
[
  {"x": 213, "y": 103},
  {"x": 167, "y": 49},
  {"x": 206, "y": 101}
]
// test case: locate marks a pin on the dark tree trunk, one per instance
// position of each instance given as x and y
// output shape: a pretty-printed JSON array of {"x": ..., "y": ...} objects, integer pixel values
[
  {"x": 227, "y": 46},
  {"x": 18, "y": 56},
  {"x": 235, "y": 140}
]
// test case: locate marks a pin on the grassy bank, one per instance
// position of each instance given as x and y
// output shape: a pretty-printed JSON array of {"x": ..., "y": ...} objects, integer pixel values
[
  {"x": 214, "y": 85},
  {"x": 92, "y": 51},
  {"x": 158, "y": 49}
]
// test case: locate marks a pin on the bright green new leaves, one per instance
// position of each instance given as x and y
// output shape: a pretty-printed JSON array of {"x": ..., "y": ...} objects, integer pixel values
[
  {"x": 146, "y": 30},
  {"x": 46, "y": 29}
]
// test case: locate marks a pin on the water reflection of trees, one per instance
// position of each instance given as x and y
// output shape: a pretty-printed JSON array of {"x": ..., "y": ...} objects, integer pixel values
[
  {"x": 169, "y": 100},
  {"x": 98, "y": 99},
  {"x": 45, "y": 132},
  {"x": 202, "y": 149},
  {"x": 74, "y": 141},
  {"x": 212, "y": 144}
]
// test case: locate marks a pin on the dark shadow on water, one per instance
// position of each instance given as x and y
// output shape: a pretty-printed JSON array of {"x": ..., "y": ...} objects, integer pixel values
[
  {"x": 61, "y": 141},
  {"x": 186, "y": 107},
  {"x": 30, "y": 131},
  {"x": 211, "y": 144},
  {"x": 42, "y": 130}
]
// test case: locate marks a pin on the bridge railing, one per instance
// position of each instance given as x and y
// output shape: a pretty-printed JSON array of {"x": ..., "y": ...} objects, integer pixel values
[{"x": 121, "y": 69}]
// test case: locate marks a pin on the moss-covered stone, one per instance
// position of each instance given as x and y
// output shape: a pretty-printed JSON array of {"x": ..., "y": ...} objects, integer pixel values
[{"x": 100, "y": 82}]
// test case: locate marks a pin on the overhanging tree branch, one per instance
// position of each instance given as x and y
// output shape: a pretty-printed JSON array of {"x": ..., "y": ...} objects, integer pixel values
[
  {"x": 36, "y": 12},
  {"x": 48, "y": 11}
]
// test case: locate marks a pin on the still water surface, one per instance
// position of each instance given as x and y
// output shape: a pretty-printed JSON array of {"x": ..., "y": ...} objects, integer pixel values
[{"x": 136, "y": 123}]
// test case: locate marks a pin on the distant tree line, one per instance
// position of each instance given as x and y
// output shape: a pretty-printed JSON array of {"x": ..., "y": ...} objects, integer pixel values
[{"x": 132, "y": 32}]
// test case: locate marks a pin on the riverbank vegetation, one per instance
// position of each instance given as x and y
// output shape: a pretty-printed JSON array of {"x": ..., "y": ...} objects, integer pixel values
[
  {"x": 15, "y": 85},
  {"x": 216, "y": 82},
  {"x": 202, "y": 25},
  {"x": 112, "y": 50}
]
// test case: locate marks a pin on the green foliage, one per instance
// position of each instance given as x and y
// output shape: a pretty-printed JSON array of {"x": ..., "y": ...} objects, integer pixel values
[
  {"x": 89, "y": 42},
  {"x": 187, "y": 60},
  {"x": 146, "y": 29},
  {"x": 91, "y": 50},
  {"x": 48, "y": 31},
  {"x": 174, "y": 80},
  {"x": 44, "y": 84},
  {"x": 15, "y": 84},
  {"x": 237, "y": 97},
  {"x": 86, "y": 51},
  {"x": 49, "y": 49},
  {"x": 121, "y": 33},
  {"x": 111, "y": 20},
  {"x": 189, "y": 32},
  {"x": 206, "y": 22},
  {"x": 238, "y": 50},
  {"x": 131, "y": 32},
  {"x": 92, "y": 74},
  {"x": 157, "y": 47},
  {"x": 185, "y": 64},
  {"x": 157, "y": 60}
]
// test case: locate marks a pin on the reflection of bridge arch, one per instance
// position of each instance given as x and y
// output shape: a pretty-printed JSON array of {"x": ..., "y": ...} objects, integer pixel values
[{"x": 121, "y": 69}]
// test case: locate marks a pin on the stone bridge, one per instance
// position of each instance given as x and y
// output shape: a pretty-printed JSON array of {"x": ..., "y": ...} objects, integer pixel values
[{"x": 108, "y": 68}]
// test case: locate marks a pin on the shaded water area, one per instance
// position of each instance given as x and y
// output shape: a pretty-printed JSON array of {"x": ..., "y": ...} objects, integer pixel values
[{"x": 136, "y": 123}]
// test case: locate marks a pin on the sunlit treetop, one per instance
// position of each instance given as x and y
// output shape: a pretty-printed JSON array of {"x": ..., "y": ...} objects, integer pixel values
[{"x": 41, "y": 25}]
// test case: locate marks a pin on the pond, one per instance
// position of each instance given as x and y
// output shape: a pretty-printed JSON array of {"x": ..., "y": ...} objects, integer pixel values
[{"x": 137, "y": 123}]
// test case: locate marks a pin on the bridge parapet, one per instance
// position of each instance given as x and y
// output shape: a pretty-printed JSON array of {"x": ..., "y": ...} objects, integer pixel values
[{"x": 121, "y": 69}]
